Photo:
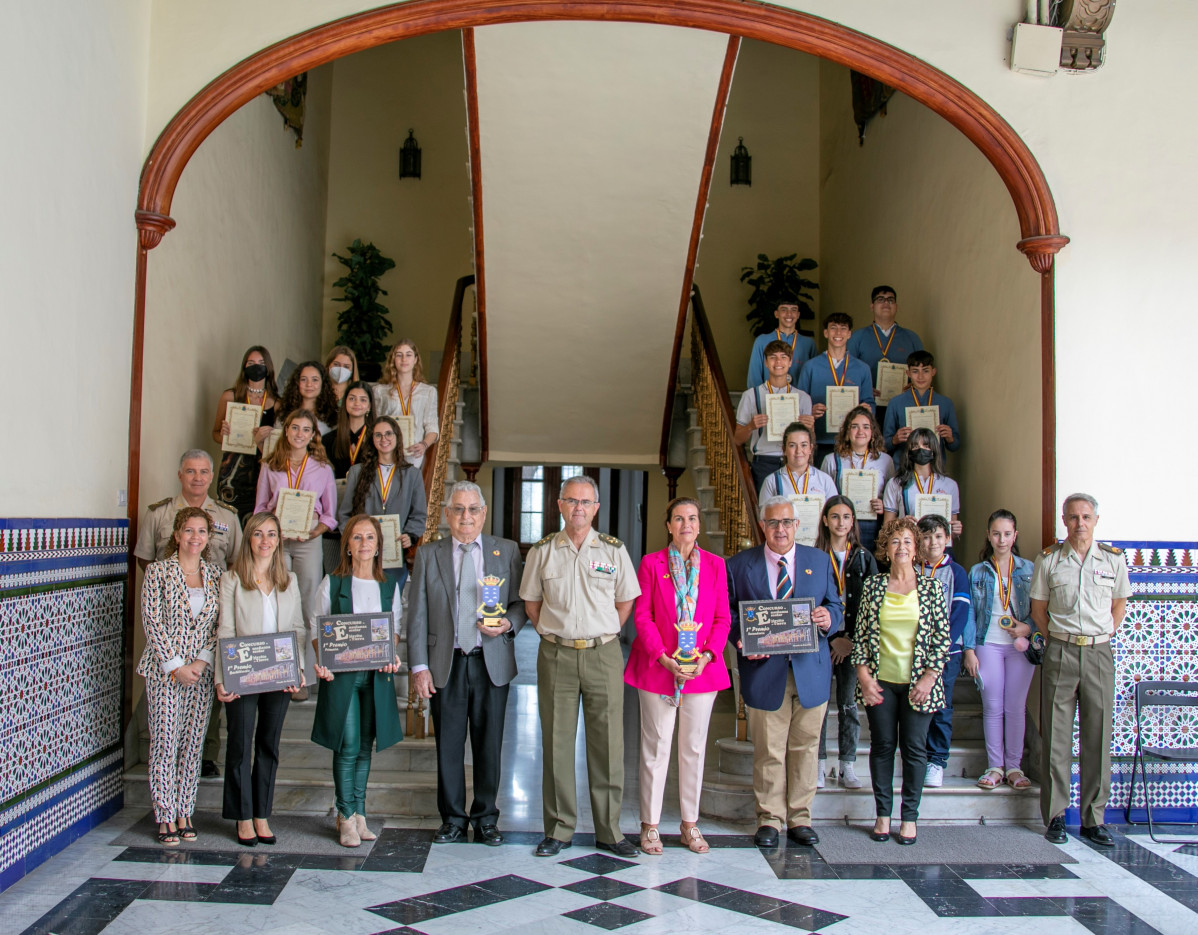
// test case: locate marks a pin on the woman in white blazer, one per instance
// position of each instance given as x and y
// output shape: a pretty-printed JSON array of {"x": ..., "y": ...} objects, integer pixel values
[{"x": 257, "y": 595}]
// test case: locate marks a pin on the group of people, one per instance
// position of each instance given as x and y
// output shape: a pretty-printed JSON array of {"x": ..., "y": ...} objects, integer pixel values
[{"x": 895, "y": 640}]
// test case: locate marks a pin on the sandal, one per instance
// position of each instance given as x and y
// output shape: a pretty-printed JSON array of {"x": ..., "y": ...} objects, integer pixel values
[
  {"x": 186, "y": 832},
  {"x": 1016, "y": 779},
  {"x": 693, "y": 839},
  {"x": 166, "y": 836},
  {"x": 991, "y": 779},
  {"x": 650, "y": 840}
]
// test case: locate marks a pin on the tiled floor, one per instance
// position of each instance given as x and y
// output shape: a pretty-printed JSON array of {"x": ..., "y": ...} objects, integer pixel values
[{"x": 407, "y": 885}]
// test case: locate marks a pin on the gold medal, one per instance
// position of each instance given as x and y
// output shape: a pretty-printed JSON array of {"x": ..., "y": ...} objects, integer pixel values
[{"x": 1006, "y": 622}]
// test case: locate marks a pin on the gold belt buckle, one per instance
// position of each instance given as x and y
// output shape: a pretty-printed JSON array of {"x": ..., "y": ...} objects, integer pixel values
[
  {"x": 1083, "y": 640},
  {"x": 581, "y": 644}
]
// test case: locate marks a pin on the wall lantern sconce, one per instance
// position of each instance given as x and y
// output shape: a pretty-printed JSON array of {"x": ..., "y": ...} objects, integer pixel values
[
  {"x": 742, "y": 164},
  {"x": 409, "y": 158}
]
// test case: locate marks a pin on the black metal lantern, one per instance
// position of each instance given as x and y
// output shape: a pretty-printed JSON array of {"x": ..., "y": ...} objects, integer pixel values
[
  {"x": 409, "y": 158},
  {"x": 742, "y": 164}
]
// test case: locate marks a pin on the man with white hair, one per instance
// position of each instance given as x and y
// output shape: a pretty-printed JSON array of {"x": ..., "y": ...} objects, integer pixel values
[
  {"x": 464, "y": 661},
  {"x": 1079, "y": 596}
]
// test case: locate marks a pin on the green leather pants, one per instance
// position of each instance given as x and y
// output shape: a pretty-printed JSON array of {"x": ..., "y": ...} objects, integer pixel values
[{"x": 351, "y": 761}]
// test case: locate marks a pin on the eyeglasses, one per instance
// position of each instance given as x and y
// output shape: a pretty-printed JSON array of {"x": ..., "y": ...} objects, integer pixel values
[
  {"x": 885, "y": 300},
  {"x": 379, "y": 436},
  {"x": 776, "y": 523},
  {"x": 585, "y": 504},
  {"x": 460, "y": 510}
]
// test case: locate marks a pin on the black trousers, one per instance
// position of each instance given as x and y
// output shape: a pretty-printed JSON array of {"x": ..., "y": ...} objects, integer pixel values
[
  {"x": 250, "y": 791},
  {"x": 894, "y": 725},
  {"x": 468, "y": 699},
  {"x": 762, "y": 467}
]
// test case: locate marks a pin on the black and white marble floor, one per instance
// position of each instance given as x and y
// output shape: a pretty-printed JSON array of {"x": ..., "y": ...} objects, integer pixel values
[{"x": 407, "y": 885}]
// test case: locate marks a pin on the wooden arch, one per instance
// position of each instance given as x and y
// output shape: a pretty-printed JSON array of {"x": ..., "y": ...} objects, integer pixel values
[{"x": 1040, "y": 235}]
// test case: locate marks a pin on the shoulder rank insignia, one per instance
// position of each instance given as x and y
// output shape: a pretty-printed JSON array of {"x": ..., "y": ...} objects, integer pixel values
[
  {"x": 1110, "y": 548},
  {"x": 1055, "y": 547},
  {"x": 545, "y": 541},
  {"x": 610, "y": 540},
  {"x": 160, "y": 504}
]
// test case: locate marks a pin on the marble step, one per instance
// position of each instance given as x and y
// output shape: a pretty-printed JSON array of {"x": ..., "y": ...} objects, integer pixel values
[
  {"x": 296, "y": 749},
  {"x": 966, "y": 760},
  {"x": 702, "y": 475},
  {"x": 309, "y": 791},
  {"x": 706, "y": 497}
]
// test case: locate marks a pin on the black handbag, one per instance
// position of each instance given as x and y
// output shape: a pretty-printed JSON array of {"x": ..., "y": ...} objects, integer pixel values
[{"x": 1035, "y": 649}]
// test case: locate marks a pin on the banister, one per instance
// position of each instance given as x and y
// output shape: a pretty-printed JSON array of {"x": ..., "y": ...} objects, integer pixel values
[{"x": 453, "y": 339}]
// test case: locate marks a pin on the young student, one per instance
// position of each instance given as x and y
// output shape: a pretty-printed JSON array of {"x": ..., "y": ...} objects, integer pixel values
[
  {"x": 802, "y": 348},
  {"x": 851, "y": 565},
  {"x": 920, "y": 470},
  {"x": 1000, "y": 585},
  {"x": 859, "y": 447},
  {"x": 797, "y": 476},
  {"x": 752, "y": 415},
  {"x": 835, "y": 367},
  {"x": 883, "y": 339},
  {"x": 921, "y": 371},
  {"x": 933, "y": 530}
]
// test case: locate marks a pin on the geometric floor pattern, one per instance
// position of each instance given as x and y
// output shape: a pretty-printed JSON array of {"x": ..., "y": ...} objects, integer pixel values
[{"x": 407, "y": 885}]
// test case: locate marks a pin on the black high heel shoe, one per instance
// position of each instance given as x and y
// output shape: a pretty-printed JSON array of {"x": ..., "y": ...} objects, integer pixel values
[
  {"x": 903, "y": 839},
  {"x": 880, "y": 836},
  {"x": 248, "y": 842}
]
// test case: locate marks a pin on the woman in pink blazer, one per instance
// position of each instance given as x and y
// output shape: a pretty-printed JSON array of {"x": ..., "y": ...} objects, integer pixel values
[{"x": 684, "y": 592}]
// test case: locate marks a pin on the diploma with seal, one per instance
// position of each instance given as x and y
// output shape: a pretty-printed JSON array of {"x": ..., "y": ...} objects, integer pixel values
[
  {"x": 296, "y": 510},
  {"x": 769, "y": 628},
  {"x": 841, "y": 400},
  {"x": 860, "y": 486},
  {"x": 392, "y": 548},
  {"x": 407, "y": 428},
  {"x": 243, "y": 421},
  {"x": 782, "y": 409},
  {"x": 355, "y": 642},
  {"x": 923, "y": 417},
  {"x": 490, "y": 611},
  {"x": 892, "y": 379},
  {"x": 940, "y": 504},
  {"x": 808, "y": 507},
  {"x": 272, "y": 442},
  {"x": 256, "y": 664}
]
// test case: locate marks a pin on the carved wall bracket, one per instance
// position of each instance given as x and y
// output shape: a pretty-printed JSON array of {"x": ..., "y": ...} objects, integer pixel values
[
  {"x": 1041, "y": 250},
  {"x": 1083, "y": 46},
  {"x": 150, "y": 228}
]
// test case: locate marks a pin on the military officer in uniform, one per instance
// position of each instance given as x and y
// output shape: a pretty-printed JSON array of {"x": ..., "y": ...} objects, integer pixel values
[
  {"x": 1079, "y": 595},
  {"x": 578, "y": 589},
  {"x": 195, "y": 477}
]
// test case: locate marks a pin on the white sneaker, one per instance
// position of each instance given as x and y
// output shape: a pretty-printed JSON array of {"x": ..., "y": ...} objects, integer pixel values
[
  {"x": 848, "y": 776},
  {"x": 934, "y": 777},
  {"x": 822, "y": 776}
]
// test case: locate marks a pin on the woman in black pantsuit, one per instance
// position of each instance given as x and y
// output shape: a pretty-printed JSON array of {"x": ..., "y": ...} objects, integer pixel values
[{"x": 257, "y": 595}]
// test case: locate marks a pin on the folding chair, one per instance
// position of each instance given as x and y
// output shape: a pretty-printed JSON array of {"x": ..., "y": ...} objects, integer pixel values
[{"x": 1159, "y": 695}]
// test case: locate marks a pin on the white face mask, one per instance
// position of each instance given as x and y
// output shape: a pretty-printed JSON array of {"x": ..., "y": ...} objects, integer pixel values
[{"x": 340, "y": 374}]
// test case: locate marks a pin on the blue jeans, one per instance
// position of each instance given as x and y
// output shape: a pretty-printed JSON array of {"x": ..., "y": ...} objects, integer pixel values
[
  {"x": 940, "y": 731},
  {"x": 848, "y": 722}
]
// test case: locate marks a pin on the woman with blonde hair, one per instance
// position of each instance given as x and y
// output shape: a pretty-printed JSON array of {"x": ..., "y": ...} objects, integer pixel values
[
  {"x": 179, "y": 605},
  {"x": 402, "y": 393},
  {"x": 257, "y": 595},
  {"x": 356, "y": 711}
]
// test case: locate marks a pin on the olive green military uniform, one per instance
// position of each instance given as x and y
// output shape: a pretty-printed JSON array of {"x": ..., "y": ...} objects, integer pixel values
[
  {"x": 1079, "y": 673},
  {"x": 155, "y": 531},
  {"x": 580, "y": 657}
]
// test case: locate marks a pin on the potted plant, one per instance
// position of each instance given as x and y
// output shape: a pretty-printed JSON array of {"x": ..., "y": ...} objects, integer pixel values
[
  {"x": 363, "y": 324},
  {"x": 776, "y": 281}
]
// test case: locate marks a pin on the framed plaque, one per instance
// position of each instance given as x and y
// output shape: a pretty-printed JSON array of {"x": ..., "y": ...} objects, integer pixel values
[
  {"x": 296, "y": 510},
  {"x": 243, "y": 422},
  {"x": 771, "y": 628},
  {"x": 392, "y": 549},
  {"x": 355, "y": 642},
  {"x": 256, "y": 664}
]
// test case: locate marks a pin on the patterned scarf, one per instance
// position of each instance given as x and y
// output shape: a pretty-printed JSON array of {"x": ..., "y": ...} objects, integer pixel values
[{"x": 685, "y": 575}]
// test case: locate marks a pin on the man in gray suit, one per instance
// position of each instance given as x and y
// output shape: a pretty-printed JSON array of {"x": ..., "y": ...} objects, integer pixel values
[{"x": 460, "y": 662}]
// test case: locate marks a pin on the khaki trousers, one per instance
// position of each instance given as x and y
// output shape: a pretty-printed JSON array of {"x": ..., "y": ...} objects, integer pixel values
[
  {"x": 595, "y": 675},
  {"x": 785, "y": 759},
  {"x": 657, "y": 736},
  {"x": 1077, "y": 679}
]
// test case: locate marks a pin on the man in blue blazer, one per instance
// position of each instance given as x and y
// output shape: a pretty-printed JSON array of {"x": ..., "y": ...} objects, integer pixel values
[{"x": 785, "y": 695}]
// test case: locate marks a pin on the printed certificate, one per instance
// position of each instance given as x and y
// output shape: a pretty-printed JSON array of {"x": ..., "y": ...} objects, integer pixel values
[
  {"x": 782, "y": 409},
  {"x": 892, "y": 378},
  {"x": 243, "y": 421},
  {"x": 841, "y": 400},
  {"x": 272, "y": 441},
  {"x": 923, "y": 417},
  {"x": 392, "y": 550},
  {"x": 861, "y": 487},
  {"x": 407, "y": 428},
  {"x": 296, "y": 510},
  {"x": 808, "y": 507},
  {"x": 939, "y": 503}
]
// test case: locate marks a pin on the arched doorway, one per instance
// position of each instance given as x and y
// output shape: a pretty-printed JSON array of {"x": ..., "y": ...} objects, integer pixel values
[{"x": 1040, "y": 236}]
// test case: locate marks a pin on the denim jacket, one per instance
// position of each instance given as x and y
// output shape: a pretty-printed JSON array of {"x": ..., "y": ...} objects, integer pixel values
[{"x": 983, "y": 581}]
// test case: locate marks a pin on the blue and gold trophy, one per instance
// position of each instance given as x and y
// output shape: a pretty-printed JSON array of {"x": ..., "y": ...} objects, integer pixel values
[
  {"x": 490, "y": 611},
  {"x": 686, "y": 655}
]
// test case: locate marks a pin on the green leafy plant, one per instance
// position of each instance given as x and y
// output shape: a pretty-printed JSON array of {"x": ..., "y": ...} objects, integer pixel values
[
  {"x": 363, "y": 324},
  {"x": 777, "y": 281}
]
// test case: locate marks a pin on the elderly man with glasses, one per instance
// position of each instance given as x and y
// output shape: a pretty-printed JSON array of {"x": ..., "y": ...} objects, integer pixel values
[
  {"x": 785, "y": 694},
  {"x": 578, "y": 589},
  {"x": 464, "y": 611}
]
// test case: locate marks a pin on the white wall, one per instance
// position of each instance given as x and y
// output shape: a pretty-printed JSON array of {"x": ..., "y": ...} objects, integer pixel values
[
  {"x": 243, "y": 267},
  {"x": 74, "y": 75}
]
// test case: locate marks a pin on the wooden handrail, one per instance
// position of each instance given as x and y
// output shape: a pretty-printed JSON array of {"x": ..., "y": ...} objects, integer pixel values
[{"x": 453, "y": 340}]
